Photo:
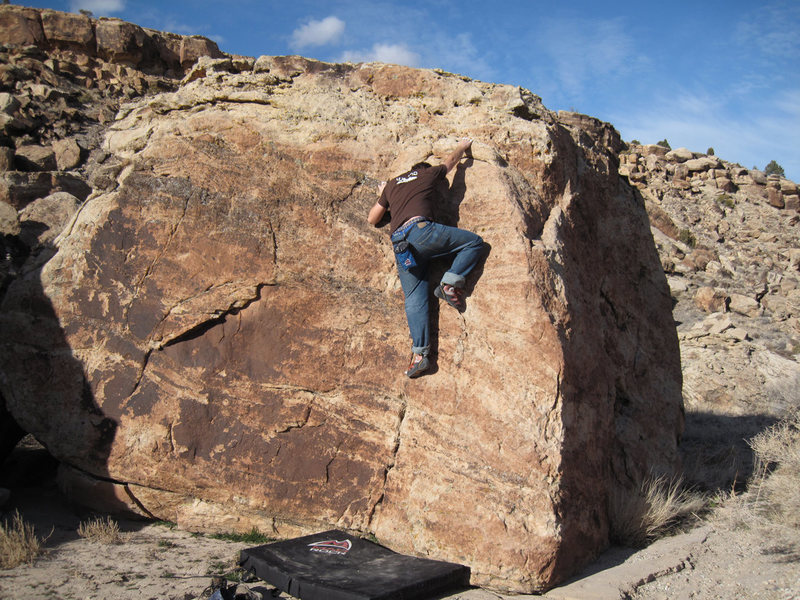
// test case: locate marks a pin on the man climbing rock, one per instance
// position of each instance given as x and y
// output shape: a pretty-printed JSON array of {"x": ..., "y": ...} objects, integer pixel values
[{"x": 417, "y": 239}]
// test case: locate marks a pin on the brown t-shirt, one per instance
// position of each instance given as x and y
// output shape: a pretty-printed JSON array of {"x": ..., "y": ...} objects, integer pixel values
[{"x": 409, "y": 195}]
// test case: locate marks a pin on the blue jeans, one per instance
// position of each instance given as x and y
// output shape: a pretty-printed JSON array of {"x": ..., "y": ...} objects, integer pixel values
[{"x": 429, "y": 240}]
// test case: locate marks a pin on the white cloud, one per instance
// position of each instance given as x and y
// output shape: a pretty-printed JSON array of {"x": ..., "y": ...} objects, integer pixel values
[
  {"x": 182, "y": 28},
  {"x": 458, "y": 54},
  {"x": 397, "y": 54},
  {"x": 98, "y": 7},
  {"x": 585, "y": 50},
  {"x": 768, "y": 29},
  {"x": 318, "y": 33}
]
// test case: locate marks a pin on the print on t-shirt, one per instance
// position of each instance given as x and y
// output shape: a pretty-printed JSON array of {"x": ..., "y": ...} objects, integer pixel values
[{"x": 410, "y": 177}]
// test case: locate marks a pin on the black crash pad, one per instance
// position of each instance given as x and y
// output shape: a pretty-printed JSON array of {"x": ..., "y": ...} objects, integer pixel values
[{"x": 333, "y": 565}]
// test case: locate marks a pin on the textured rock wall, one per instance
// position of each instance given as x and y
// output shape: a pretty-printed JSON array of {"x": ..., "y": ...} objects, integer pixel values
[{"x": 222, "y": 333}]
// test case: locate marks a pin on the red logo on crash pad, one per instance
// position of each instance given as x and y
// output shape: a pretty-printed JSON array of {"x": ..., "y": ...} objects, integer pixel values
[{"x": 331, "y": 547}]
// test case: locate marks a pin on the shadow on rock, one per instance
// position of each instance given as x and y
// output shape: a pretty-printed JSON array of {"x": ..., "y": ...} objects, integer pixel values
[
  {"x": 715, "y": 451},
  {"x": 46, "y": 393}
]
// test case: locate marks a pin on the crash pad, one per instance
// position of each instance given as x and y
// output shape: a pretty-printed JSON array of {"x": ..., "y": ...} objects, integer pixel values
[{"x": 334, "y": 565}]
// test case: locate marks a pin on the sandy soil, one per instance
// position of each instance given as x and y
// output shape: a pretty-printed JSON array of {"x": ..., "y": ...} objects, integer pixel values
[{"x": 717, "y": 559}]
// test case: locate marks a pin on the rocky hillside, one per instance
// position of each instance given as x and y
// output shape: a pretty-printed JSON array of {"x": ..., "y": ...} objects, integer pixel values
[
  {"x": 728, "y": 241},
  {"x": 189, "y": 284}
]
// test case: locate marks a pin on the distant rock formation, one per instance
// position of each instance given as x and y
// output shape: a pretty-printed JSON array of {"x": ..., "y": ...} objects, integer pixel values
[
  {"x": 728, "y": 241},
  {"x": 108, "y": 39}
]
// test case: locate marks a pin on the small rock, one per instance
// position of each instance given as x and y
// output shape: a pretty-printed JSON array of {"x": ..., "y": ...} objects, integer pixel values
[
  {"x": 654, "y": 149},
  {"x": 710, "y": 300},
  {"x": 67, "y": 153},
  {"x": 744, "y": 305},
  {"x": 758, "y": 177},
  {"x": 704, "y": 163},
  {"x": 9, "y": 104},
  {"x": 653, "y": 162},
  {"x": 680, "y": 155},
  {"x": 6, "y": 159},
  {"x": 736, "y": 334},
  {"x": 20, "y": 189},
  {"x": 681, "y": 172},
  {"x": 725, "y": 184},
  {"x": 42, "y": 220},
  {"x": 794, "y": 259},
  {"x": 677, "y": 285},
  {"x": 36, "y": 158},
  {"x": 9, "y": 223},
  {"x": 775, "y": 198},
  {"x": 717, "y": 323},
  {"x": 776, "y": 306}
]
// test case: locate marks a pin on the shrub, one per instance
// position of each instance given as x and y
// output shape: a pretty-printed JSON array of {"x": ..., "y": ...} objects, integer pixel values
[
  {"x": 664, "y": 143},
  {"x": 710, "y": 151},
  {"x": 687, "y": 237},
  {"x": 727, "y": 200},
  {"x": 776, "y": 481},
  {"x": 773, "y": 168},
  {"x": 18, "y": 543},
  {"x": 105, "y": 531},
  {"x": 660, "y": 506}
]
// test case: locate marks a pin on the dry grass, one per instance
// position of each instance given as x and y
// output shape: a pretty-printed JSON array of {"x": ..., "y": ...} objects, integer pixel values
[
  {"x": 105, "y": 531},
  {"x": 775, "y": 488},
  {"x": 772, "y": 501},
  {"x": 18, "y": 543},
  {"x": 639, "y": 517}
]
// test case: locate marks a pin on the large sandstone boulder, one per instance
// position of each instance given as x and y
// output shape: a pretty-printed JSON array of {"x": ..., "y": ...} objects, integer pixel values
[
  {"x": 68, "y": 30},
  {"x": 118, "y": 41},
  {"x": 223, "y": 333},
  {"x": 22, "y": 26}
]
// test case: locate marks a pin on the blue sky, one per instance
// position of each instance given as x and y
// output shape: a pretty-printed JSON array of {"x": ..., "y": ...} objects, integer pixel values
[{"x": 721, "y": 74}]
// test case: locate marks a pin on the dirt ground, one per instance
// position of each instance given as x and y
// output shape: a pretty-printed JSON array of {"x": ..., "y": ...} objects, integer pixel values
[{"x": 719, "y": 558}]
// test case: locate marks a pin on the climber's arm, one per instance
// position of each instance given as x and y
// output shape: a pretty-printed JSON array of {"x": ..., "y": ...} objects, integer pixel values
[
  {"x": 379, "y": 209},
  {"x": 376, "y": 213},
  {"x": 452, "y": 160}
]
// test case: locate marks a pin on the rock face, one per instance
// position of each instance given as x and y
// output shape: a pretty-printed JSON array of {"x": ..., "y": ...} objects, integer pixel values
[{"x": 222, "y": 333}]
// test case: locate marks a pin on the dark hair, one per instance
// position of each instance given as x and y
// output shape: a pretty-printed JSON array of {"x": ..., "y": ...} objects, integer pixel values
[{"x": 421, "y": 165}]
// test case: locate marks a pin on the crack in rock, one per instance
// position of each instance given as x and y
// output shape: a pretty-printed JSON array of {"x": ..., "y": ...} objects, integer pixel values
[
  {"x": 390, "y": 464},
  {"x": 201, "y": 328}
]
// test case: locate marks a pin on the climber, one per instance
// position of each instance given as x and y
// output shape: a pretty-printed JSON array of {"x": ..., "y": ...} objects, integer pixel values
[{"x": 417, "y": 239}]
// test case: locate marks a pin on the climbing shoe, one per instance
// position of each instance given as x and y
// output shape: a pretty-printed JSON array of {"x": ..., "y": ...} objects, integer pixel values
[
  {"x": 418, "y": 365},
  {"x": 452, "y": 295}
]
